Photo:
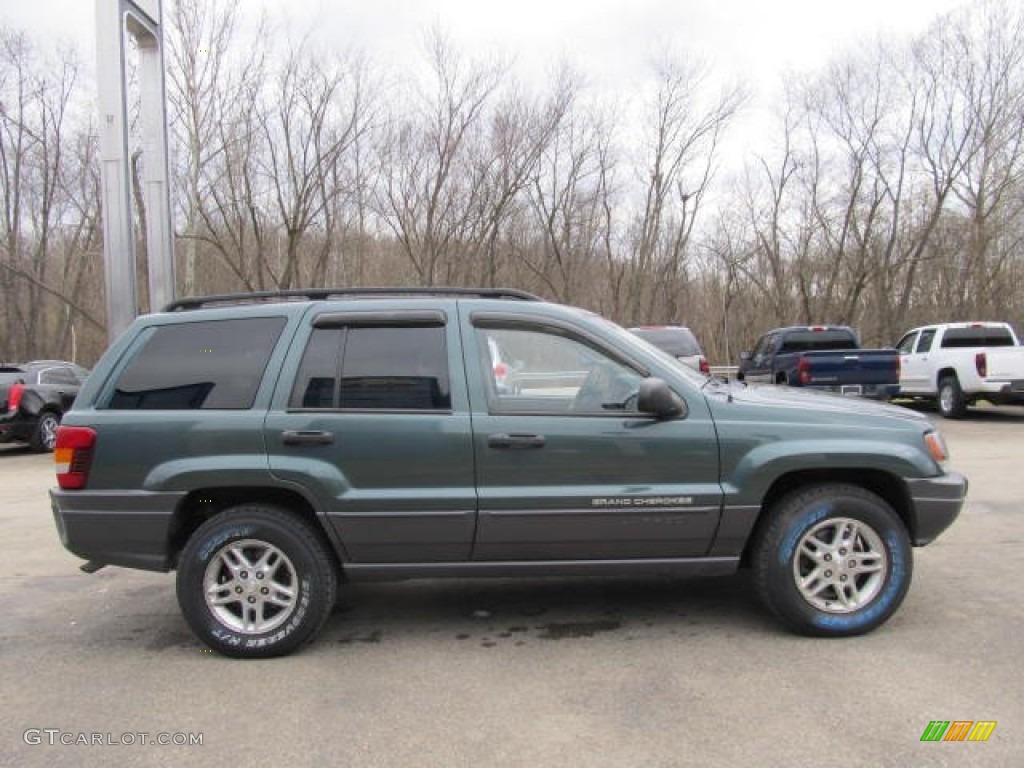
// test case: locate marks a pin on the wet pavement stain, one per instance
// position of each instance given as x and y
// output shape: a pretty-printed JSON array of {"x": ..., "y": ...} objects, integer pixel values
[
  {"x": 576, "y": 629},
  {"x": 369, "y": 637}
]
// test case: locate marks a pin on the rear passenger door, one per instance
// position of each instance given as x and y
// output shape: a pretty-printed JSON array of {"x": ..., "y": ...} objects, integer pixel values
[{"x": 376, "y": 429}]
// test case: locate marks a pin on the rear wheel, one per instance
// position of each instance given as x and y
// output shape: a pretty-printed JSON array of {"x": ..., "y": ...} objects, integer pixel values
[
  {"x": 44, "y": 437},
  {"x": 952, "y": 403},
  {"x": 256, "y": 581},
  {"x": 834, "y": 561}
]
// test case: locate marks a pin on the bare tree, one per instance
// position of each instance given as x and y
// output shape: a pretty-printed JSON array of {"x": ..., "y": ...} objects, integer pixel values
[
  {"x": 568, "y": 197},
  {"x": 680, "y": 160},
  {"x": 42, "y": 227},
  {"x": 428, "y": 197}
]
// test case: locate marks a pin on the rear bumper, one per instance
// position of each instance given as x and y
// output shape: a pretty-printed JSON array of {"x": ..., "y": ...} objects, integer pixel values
[
  {"x": 937, "y": 502},
  {"x": 16, "y": 428},
  {"x": 876, "y": 391},
  {"x": 133, "y": 529},
  {"x": 1011, "y": 393}
]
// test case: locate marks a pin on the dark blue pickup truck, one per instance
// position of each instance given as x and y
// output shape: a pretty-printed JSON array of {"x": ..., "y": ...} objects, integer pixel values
[{"x": 825, "y": 357}]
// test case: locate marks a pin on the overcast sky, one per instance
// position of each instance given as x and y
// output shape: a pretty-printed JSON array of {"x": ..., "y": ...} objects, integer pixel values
[
  {"x": 606, "y": 39},
  {"x": 610, "y": 42}
]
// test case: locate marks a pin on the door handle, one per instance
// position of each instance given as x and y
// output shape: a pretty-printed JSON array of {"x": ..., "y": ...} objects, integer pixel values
[
  {"x": 515, "y": 441},
  {"x": 307, "y": 437}
]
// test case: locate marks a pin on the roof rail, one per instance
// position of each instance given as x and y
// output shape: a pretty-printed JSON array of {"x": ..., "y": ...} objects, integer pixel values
[{"x": 319, "y": 294}]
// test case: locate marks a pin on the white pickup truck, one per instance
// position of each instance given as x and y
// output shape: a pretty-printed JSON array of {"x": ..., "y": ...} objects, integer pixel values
[{"x": 958, "y": 364}]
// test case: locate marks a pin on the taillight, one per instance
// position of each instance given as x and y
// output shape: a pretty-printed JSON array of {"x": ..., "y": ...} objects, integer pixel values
[
  {"x": 704, "y": 367},
  {"x": 73, "y": 456},
  {"x": 981, "y": 363},
  {"x": 803, "y": 369},
  {"x": 14, "y": 397},
  {"x": 500, "y": 371}
]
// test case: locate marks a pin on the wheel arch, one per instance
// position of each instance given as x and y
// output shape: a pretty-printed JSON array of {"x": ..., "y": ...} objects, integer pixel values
[
  {"x": 205, "y": 503},
  {"x": 885, "y": 485}
]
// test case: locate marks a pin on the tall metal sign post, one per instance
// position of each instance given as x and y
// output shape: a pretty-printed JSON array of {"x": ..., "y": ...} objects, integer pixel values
[{"x": 142, "y": 19}]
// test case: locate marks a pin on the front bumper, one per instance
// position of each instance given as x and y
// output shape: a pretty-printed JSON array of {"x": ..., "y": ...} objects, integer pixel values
[
  {"x": 937, "y": 502},
  {"x": 130, "y": 529}
]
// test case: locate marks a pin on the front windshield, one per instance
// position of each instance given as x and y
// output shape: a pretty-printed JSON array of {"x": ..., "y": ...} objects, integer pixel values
[{"x": 632, "y": 340}]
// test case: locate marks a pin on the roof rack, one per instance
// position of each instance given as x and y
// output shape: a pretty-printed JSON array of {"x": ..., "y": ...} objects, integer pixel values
[{"x": 319, "y": 294}]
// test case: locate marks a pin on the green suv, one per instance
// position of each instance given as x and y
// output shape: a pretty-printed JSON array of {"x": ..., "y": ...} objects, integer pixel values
[{"x": 271, "y": 446}]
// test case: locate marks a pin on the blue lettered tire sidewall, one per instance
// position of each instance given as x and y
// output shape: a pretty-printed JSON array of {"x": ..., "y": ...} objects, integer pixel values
[{"x": 792, "y": 606}]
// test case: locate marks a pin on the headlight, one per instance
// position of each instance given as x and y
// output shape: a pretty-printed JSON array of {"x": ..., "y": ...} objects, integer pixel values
[{"x": 936, "y": 447}]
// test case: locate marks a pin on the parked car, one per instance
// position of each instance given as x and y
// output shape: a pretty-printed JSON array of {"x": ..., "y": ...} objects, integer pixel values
[
  {"x": 959, "y": 364},
  {"x": 676, "y": 340},
  {"x": 825, "y": 357},
  {"x": 33, "y": 399},
  {"x": 268, "y": 450}
]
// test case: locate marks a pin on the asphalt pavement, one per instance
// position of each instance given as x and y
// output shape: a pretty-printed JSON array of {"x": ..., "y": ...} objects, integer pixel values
[{"x": 98, "y": 670}]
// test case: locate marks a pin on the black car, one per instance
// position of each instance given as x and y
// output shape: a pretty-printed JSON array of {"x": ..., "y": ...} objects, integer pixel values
[{"x": 33, "y": 399}]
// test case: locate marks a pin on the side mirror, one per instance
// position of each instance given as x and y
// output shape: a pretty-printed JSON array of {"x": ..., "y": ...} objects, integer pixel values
[
  {"x": 655, "y": 397},
  {"x": 745, "y": 355}
]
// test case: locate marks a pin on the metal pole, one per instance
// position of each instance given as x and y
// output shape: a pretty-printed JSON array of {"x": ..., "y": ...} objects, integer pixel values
[
  {"x": 118, "y": 240},
  {"x": 142, "y": 19}
]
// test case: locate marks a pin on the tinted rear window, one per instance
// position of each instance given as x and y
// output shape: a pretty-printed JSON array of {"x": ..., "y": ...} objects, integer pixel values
[
  {"x": 381, "y": 368},
  {"x": 808, "y": 341},
  {"x": 977, "y": 337},
  {"x": 676, "y": 341},
  {"x": 205, "y": 365}
]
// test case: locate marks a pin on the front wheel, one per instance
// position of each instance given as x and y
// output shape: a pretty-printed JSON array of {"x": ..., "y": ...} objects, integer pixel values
[
  {"x": 833, "y": 561},
  {"x": 256, "y": 581}
]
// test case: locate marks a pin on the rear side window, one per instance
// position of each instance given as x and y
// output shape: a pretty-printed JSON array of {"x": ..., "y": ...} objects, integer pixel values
[
  {"x": 925, "y": 342},
  {"x": 809, "y": 341},
  {"x": 400, "y": 368},
  {"x": 58, "y": 376},
  {"x": 977, "y": 337},
  {"x": 216, "y": 364},
  {"x": 679, "y": 342}
]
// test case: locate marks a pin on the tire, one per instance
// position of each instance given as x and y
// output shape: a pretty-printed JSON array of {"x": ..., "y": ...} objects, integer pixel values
[
  {"x": 952, "y": 403},
  {"x": 273, "y": 561},
  {"x": 44, "y": 436},
  {"x": 810, "y": 532}
]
